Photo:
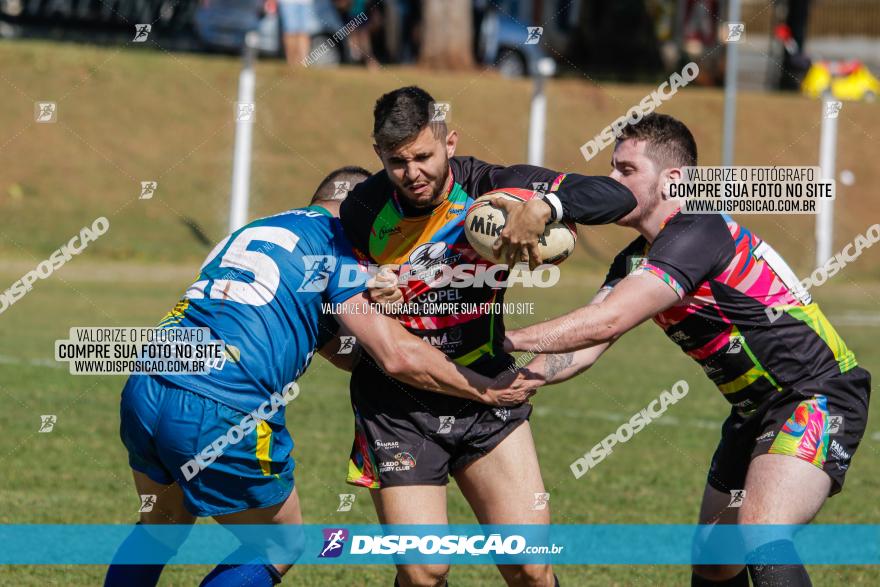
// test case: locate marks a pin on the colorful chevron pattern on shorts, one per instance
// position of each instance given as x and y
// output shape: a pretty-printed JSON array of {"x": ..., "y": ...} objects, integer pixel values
[{"x": 805, "y": 434}]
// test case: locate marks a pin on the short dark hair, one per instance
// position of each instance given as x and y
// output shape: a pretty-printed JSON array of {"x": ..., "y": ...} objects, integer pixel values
[
  {"x": 399, "y": 116},
  {"x": 669, "y": 142},
  {"x": 327, "y": 188}
]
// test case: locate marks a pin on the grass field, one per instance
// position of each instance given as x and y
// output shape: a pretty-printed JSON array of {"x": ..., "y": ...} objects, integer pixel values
[{"x": 127, "y": 116}]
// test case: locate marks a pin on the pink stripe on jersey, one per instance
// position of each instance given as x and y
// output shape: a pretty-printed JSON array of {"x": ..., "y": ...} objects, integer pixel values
[
  {"x": 713, "y": 346},
  {"x": 752, "y": 276}
]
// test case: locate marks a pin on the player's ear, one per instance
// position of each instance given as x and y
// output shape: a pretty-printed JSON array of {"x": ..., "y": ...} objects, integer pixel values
[
  {"x": 669, "y": 177},
  {"x": 377, "y": 151},
  {"x": 451, "y": 142}
]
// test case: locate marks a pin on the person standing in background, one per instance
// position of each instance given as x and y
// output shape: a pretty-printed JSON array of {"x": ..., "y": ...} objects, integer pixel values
[
  {"x": 297, "y": 19},
  {"x": 359, "y": 40}
]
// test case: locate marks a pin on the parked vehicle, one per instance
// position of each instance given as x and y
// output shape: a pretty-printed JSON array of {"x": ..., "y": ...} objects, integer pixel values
[
  {"x": 842, "y": 80},
  {"x": 502, "y": 42},
  {"x": 222, "y": 25}
]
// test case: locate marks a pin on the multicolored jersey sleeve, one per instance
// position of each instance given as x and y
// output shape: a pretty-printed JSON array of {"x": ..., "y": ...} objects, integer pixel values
[
  {"x": 698, "y": 250},
  {"x": 625, "y": 261}
]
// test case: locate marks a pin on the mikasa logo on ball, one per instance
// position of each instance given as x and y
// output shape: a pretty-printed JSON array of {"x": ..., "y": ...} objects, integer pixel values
[
  {"x": 486, "y": 226},
  {"x": 492, "y": 225}
]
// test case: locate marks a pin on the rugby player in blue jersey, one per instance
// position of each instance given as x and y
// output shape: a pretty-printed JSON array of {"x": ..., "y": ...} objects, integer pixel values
[{"x": 261, "y": 291}]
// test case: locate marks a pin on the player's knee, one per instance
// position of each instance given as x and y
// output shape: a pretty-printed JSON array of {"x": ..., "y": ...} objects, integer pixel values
[
  {"x": 422, "y": 575},
  {"x": 162, "y": 541},
  {"x": 753, "y": 515},
  {"x": 717, "y": 573},
  {"x": 531, "y": 575},
  {"x": 170, "y": 526},
  {"x": 286, "y": 545}
]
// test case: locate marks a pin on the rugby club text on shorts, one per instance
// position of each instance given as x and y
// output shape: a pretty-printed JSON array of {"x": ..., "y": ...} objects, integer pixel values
[
  {"x": 646, "y": 106},
  {"x": 630, "y": 428},
  {"x": 848, "y": 254},
  {"x": 237, "y": 433},
  {"x": 45, "y": 269}
]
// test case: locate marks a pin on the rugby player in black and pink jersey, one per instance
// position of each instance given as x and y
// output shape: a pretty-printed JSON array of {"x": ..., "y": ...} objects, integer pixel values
[{"x": 799, "y": 400}]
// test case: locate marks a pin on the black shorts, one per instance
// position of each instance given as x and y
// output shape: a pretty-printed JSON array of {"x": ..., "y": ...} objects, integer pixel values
[
  {"x": 408, "y": 436},
  {"x": 821, "y": 423}
]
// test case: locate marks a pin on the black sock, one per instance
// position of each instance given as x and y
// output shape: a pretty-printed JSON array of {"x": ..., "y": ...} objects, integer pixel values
[
  {"x": 777, "y": 575},
  {"x": 397, "y": 583},
  {"x": 741, "y": 580}
]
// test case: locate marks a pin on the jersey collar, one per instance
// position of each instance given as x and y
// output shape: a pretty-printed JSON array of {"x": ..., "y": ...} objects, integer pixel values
[
  {"x": 668, "y": 218},
  {"x": 321, "y": 209}
]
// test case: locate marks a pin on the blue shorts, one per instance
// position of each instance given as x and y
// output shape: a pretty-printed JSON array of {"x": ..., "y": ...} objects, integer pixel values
[
  {"x": 298, "y": 17},
  {"x": 165, "y": 427}
]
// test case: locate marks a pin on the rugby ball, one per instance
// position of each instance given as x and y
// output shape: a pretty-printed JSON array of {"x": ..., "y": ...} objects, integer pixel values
[{"x": 484, "y": 222}]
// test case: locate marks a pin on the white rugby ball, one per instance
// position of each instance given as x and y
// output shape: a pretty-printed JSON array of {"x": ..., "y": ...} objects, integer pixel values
[{"x": 484, "y": 222}]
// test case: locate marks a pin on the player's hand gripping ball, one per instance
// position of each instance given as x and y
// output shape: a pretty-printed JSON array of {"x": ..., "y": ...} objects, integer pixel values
[{"x": 484, "y": 223}]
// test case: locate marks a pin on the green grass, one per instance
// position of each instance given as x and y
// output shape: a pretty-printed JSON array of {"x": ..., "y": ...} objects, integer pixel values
[
  {"x": 127, "y": 116},
  {"x": 79, "y": 473}
]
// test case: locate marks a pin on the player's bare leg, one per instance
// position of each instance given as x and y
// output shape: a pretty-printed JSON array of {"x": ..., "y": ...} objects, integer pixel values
[
  {"x": 781, "y": 489},
  {"x": 286, "y": 513},
  {"x": 770, "y": 484},
  {"x": 414, "y": 504},
  {"x": 501, "y": 488},
  {"x": 167, "y": 508},
  {"x": 295, "y": 48},
  {"x": 714, "y": 510}
]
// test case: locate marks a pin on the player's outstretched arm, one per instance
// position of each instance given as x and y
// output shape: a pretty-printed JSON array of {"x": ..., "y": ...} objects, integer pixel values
[
  {"x": 556, "y": 368},
  {"x": 413, "y": 361},
  {"x": 632, "y": 301},
  {"x": 579, "y": 198},
  {"x": 331, "y": 352}
]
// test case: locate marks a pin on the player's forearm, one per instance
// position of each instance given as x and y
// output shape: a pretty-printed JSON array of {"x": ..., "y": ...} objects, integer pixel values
[
  {"x": 345, "y": 362},
  {"x": 427, "y": 368},
  {"x": 594, "y": 199},
  {"x": 582, "y": 328},
  {"x": 585, "y": 199},
  {"x": 559, "y": 367},
  {"x": 408, "y": 358}
]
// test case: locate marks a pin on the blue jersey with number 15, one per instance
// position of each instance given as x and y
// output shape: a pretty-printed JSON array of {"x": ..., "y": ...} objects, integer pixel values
[{"x": 261, "y": 291}]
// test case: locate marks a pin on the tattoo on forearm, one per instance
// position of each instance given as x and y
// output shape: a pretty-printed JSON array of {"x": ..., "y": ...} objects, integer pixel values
[{"x": 558, "y": 363}]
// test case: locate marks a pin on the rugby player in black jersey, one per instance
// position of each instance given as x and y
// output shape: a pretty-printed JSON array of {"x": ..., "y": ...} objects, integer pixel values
[
  {"x": 407, "y": 442},
  {"x": 799, "y": 399}
]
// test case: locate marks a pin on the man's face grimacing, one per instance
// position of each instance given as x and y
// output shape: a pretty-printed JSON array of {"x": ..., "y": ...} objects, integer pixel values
[
  {"x": 641, "y": 174},
  {"x": 419, "y": 169}
]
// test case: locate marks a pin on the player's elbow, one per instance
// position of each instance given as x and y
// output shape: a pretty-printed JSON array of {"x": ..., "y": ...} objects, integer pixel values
[
  {"x": 399, "y": 362},
  {"x": 613, "y": 326}
]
